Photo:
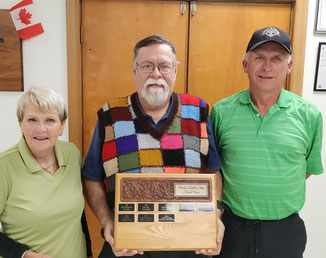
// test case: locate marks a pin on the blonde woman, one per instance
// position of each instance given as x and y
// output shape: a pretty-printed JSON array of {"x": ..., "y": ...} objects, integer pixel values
[{"x": 41, "y": 200}]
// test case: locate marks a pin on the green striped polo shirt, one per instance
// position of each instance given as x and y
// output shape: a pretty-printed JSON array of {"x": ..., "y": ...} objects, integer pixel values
[{"x": 264, "y": 160}]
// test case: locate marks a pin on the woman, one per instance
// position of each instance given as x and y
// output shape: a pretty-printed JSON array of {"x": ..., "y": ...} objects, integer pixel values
[{"x": 41, "y": 200}]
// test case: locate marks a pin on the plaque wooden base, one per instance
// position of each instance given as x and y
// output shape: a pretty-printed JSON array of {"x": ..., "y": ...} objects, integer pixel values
[{"x": 156, "y": 212}]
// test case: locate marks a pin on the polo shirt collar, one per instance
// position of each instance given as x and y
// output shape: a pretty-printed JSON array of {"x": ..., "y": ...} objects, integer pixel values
[
  {"x": 283, "y": 100},
  {"x": 31, "y": 164}
]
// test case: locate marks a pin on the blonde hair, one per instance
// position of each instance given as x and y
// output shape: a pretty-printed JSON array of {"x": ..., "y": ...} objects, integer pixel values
[{"x": 45, "y": 99}]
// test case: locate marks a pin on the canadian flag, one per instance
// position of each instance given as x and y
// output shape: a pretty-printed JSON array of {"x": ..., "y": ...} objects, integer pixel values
[{"x": 25, "y": 20}]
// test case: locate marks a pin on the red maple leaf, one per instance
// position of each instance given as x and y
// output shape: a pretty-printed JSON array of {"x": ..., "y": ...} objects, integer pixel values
[{"x": 24, "y": 16}]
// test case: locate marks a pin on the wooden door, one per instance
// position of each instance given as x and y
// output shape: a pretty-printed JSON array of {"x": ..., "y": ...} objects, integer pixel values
[
  {"x": 210, "y": 46},
  {"x": 110, "y": 29},
  {"x": 218, "y": 37}
]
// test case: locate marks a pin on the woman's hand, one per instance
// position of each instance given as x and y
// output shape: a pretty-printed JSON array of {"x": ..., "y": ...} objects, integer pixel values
[{"x": 31, "y": 254}]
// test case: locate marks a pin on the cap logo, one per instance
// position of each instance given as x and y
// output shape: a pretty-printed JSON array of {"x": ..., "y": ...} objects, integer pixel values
[{"x": 271, "y": 32}]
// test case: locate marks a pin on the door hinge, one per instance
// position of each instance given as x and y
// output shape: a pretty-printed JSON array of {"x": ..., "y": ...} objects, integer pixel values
[
  {"x": 183, "y": 7},
  {"x": 193, "y": 7}
]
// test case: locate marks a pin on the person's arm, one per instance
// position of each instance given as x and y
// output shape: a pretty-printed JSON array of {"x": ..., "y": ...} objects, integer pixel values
[
  {"x": 87, "y": 237},
  {"x": 94, "y": 190},
  {"x": 9, "y": 248},
  {"x": 96, "y": 198},
  {"x": 213, "y": 166}
]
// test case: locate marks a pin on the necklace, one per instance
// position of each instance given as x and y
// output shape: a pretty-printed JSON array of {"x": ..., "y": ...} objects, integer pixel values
[{"x": 48, "y": 170}]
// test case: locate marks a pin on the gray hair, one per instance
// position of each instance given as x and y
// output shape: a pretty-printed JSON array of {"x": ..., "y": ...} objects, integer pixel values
[
  {"x": 152, "y": 40},
  {"x": 246, "y": 57},
  {"x": 45, "y": 99}
]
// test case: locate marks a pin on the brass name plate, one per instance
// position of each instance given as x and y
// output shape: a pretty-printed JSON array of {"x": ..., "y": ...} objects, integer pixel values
[{"x": 165, "y": 212}]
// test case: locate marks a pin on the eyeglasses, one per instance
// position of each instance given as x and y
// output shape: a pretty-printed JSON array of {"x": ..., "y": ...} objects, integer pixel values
[{"x": 163, "y": 68}]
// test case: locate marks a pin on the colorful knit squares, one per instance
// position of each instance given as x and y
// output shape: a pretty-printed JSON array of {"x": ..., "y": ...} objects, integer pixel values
[
  {"x": 118, "y": 114},
  {"x": 173, "y": 158},
  {"x": 111, "y": 167},
  {"x": 107, "y": 118},
  {"x": 135, "y": 171},
  {"x": 150, "y": 158},
  {"x": 173, "y": 141},
  {"x": 146, "y": 141},
  {"x": 190, "y": 100},
  {"x": 109, "y": 150},
  {"x": 152, "y": 170},
  {"x": 138, "y": 127},
  {"x": 128, "y": 161},
  {"x": 193, "y": 171},
  {"x": 203, "y": 114},
  {"x": 132, "y": 112},
  {"x": 123, "y": 128},
  {"x": 174, "y": 170},
  {"x": 121, "y": 102},
  {"x": 202, "y": 103},
  {"x": 109, "y": 136},
  {"x": 203, "y": 130},
  {"x": 106, "y": 107},
  {"x": 204, "y": 144},
  {"x": 175, "y": 127},
  {"x": 189, "y": 126},
  {"x": 192, "y": 159},
  {"x": 191, "y": 112},
  {"x": 126, "y": 144},
  {"x": 191, "y": 142}
]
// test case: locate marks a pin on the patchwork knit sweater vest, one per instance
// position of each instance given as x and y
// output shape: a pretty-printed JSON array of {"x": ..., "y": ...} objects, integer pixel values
[{"x": 132, "y": 145}]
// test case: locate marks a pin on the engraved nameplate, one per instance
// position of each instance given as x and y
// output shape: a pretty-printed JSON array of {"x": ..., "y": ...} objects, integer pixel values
[
  {"x": 146, "y": 218},
  {"x": 166, "y": 207},
  {"x": 145, "y": 206},
  {"x": 166, "y": 217},
  {"x": 126, "y": 207},
  {"x": 206, "y": 207},
  {"x": 189, "y": 189},
  {"x": 126, "y": 217},
  {"x": 186, "y": 207}
]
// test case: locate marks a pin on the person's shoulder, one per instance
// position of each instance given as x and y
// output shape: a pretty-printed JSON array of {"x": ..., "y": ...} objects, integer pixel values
[
  {"x": 117, "y": 102},
  {"x": 9, "y": 152},
  {"x": 66, "y": 146},
  {"x": 192, "y": 99},
  {"x": 301, "y": 103}
]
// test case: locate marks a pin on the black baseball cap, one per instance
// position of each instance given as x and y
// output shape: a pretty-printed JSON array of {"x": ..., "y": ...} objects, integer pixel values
[{"x": 268, "y": 34}]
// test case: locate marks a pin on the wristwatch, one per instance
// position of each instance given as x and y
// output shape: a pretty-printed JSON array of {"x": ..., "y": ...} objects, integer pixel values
[{"x": 220, "y": 206}]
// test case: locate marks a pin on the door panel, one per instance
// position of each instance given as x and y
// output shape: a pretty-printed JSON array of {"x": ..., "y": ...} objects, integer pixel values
[
  {"x": 219, "y": 34},
  {"x": 110, "y": 31}
]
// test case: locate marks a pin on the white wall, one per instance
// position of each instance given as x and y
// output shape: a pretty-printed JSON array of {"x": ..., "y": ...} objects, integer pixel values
[
  {"x": 314, "y": 211},
  {"x": 44, "y": 63},
  {"x": 44, "y": 60}
]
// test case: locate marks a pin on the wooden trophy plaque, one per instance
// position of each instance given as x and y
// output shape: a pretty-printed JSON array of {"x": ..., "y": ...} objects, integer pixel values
[{"x": 165, "y": 212}]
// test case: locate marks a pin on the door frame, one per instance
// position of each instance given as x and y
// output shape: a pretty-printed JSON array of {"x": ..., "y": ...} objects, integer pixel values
[{"x": 74, "y": 57}]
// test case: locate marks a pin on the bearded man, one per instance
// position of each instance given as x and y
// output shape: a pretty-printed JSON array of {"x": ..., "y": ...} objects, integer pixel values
[{"x": 154, "y": 130}]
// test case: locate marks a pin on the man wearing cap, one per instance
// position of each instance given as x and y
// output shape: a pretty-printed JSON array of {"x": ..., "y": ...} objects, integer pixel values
[{"x": 269, "y": 142}]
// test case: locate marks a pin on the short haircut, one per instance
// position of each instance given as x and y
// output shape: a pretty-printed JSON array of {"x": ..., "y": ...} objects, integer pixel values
[
  {"x": 152, "y": 40},
  {"x": 45, "y": 99}
]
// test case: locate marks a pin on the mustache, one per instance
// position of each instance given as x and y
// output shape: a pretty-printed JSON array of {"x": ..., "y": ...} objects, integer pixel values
[{"x": 151, "y": 81}]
